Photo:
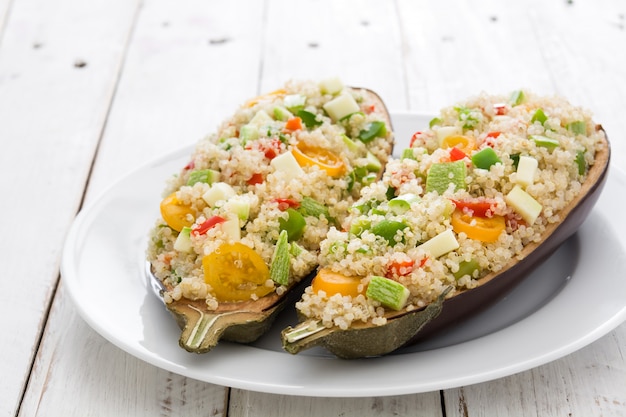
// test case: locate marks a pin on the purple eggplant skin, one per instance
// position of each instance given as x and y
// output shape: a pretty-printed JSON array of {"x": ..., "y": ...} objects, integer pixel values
[{"x": 470, "y": 302}]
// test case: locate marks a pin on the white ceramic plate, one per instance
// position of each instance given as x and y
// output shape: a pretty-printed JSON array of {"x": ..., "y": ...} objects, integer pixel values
[{"x": 574, "y": 298}]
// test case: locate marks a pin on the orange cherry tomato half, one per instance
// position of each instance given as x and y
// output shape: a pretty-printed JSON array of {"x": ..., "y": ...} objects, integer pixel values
[
  {"x": 465, "y": 143},
  {"x": 176, "y": 214},
  {"x": 335, "y": 283},
  {"x": 320, "y": 157},
  {"x": 267, "y": 96},
  {"x": 236, "y": 273},
  {"x": 485, "y": 229}
]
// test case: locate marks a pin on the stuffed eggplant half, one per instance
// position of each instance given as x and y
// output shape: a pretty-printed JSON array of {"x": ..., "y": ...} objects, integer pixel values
[
  {"x": 482, "y": 196},
  {"x": 241, "y": 223}
]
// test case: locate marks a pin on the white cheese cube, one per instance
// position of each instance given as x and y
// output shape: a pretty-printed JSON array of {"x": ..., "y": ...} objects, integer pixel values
[
  {"x": 287, "y": 164},
  {"x": 524, "y": 204},
  {"x": 526, "y": 169},
  {"x": 341, "y": 106},
  {"x": 441, "y": 244},
  {"x": 219, "y": 191},
  {"x": 331, "y": 85}
]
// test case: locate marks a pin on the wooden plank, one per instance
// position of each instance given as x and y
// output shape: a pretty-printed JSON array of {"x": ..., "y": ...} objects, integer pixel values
[
  {"x": 180, "y": 78},
  {"x": 52, "y": 111},
  {"x": 355, "y": 40},
  {"x": 189, "y": 66},
  {"x": 454, "y": 50},
  {"x": 252, "y": 404},
  {"x": 104, "y": 380},
  {"x": 590, "y": 382}
]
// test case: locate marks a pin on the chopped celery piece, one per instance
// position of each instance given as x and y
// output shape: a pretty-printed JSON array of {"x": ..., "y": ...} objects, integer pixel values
[
  {"x": 183, "y": 240},
  {"x": 526, "y": 168},
  {"x": 279, "y": 268},
  {"x": 578, "y": 127},
  {"x": 248, "y": 133},
  {"x": 485, "y": 158},
  {"x": 352, "y": 145},
  {"x": 388, "y": 229},
  {"x": 408, "y": 154},
  {"x": 581, "y": 163},
  {"x": 358, "y": 226},
  {"x": 434, "y": 121},
  {"x": 517, "y": 98},
  {"x": 466, "y": 268},
  {"x": 309, "y": 119},
  {"x": 282, "y": 114},
  {"x": 539, "y": 116},
  {"x": 294, "y": 224},
  {"x": 373, "y": 164},
  {"x": 441, "y": 244},
  {"x": 441, "y": 175},
  {"x": 524, "y": 204},
  {"x": 545, "y": 142},
  {"x": 402, "y": 203},
  {"x": 294, "y": 102},
  {"x": 239, "y": 205},
  {"x": 311, "y": 207},
  {"x": 208, "y": 176},
  {"x": 296, "y": 250},
  {"x": 389, "y": 293},
  {"x": 341, "y": 106},
  {"x": 373, "y": 130}
]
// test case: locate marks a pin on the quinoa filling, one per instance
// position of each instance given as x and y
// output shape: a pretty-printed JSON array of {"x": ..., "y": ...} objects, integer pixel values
[{"x": 484, "y": 180}]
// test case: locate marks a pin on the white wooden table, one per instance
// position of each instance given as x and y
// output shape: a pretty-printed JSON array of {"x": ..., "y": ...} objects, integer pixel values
[{"x": 91, "y": 89}]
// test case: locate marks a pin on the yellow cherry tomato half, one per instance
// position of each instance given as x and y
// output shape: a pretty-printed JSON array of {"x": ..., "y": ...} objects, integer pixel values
[
  {"x": 465, "y": 143},
  {"x": 320, "y": 157},
  {"x": 485, "y": 229},
  {"x": 267, "y": 96},
  {"x": 236, "y": 273},
  {"x": 335, "y": 283},
  {"x": 176, "y": 214}
]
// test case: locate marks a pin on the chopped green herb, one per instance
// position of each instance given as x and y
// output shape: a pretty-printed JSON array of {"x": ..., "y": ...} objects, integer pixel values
[
  {"x": 309, "y": 119},
  {"x": 373, "y": 130}
]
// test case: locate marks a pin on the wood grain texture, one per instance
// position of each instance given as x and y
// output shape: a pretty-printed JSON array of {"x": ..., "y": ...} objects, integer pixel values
[
  {"x": 174, "y": 89},
  {"x": 251, "y": 404},
  {"x": 52, "y": 110},
  {"x": 590, "y": 382},
  {"x": 90, "y": 90}
]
